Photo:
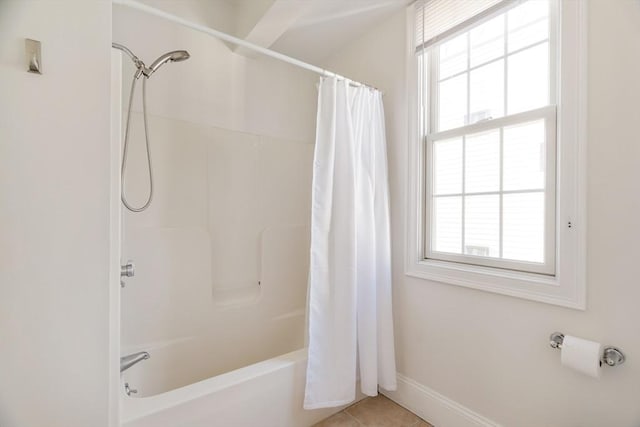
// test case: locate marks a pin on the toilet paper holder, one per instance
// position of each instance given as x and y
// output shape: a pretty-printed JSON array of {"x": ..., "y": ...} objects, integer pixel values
[{"x": 611, "y": 356}]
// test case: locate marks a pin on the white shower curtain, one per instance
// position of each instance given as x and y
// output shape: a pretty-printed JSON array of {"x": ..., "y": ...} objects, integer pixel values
[{"x": 350, "y": 319}]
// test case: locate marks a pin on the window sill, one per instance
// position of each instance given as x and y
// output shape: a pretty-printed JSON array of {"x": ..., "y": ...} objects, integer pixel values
[{"x": 534, "y": 287}]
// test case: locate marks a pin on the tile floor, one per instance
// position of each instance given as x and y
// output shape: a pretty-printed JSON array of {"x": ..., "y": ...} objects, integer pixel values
[{"x": 374, "y": 412}]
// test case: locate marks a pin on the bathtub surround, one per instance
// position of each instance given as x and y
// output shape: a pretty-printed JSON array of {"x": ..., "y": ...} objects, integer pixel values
[
  {"x": 221, "y": 255},
  {"x": 232, "y": 145},
  {"x": 350, "y": 321}
]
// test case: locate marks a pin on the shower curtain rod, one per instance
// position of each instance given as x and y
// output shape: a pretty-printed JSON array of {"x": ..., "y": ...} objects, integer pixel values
[{"x": 235, "y": 40}]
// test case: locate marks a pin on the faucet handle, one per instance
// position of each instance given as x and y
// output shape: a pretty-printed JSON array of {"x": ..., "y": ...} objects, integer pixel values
[
  {"x": 129, "y": 390},
  {"x": 127, "y": 270}
]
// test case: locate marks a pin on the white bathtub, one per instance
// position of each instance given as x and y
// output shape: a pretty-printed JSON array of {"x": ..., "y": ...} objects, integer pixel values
[{"x": 265, "y": 394}]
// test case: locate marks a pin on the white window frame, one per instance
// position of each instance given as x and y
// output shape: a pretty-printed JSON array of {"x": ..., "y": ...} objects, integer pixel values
[{"x": 566, "y": 287}]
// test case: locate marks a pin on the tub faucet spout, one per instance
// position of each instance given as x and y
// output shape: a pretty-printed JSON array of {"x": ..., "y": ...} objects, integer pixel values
[{"x": 128, "y": 361}]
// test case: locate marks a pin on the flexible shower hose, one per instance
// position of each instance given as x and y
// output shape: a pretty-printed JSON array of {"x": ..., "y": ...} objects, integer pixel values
[{"x": 123, "y": 197}]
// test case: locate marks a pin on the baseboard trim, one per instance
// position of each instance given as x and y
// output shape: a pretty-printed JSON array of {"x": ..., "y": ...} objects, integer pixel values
[{"x": 434, "y": 407}]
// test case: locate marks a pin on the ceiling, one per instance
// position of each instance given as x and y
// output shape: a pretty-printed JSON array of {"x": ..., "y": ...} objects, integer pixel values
[
  {"x": 327, "y": 25},
  {"x": 310, "y": 30}
]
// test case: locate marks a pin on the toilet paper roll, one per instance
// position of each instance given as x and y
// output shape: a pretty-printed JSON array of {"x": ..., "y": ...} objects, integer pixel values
[{"x": 582, "y": 355}]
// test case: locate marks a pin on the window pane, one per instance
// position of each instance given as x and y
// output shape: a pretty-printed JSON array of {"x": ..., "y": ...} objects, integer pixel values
[
  {"x": 487, "y": 92},
  {"x": 453, "y": 56},
  {"x": 447, "y": 165},
  {"x": 447, "y": 224},
  {"x": 482, "y": 226},
  {"x": 452, "y": 103},
  {"x": 528, "y": 82},
  {"x": 523, "y": 227},
  {"x": 524, "y": 156},
  {"x": 482, "y": 162},
  {"x": 528, "y": 24},
  {"x": 487, "y": 41}
]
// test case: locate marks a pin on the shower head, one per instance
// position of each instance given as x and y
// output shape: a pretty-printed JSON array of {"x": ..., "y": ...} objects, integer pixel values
[{"x": 174, "y": 56}]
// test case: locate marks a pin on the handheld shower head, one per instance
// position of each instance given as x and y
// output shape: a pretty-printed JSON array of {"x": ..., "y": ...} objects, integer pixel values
[{"x": 174, "y": 56}]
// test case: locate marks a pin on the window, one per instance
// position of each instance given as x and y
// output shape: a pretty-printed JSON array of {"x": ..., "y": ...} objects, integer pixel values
[
  {"x": 495, "y": 202},
  {"x": 491, "y": 142}
]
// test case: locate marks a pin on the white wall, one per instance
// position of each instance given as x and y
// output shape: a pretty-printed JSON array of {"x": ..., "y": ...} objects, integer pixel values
[
  {"x": 488, "y": 352},
  {"x": 54, "y": 215}
]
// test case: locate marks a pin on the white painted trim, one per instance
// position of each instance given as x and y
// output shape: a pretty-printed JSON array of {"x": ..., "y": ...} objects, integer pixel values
[
  {"x": 534, "y": 287},
  {"x": 572, "y": 179},
  {"x": 582, "y": 148},
  {"x": 415, "y": 153},
  {"x": 568, "y": 287},
  {"x": 114, "y": 239},
  {"x": 434, "y": 407}
]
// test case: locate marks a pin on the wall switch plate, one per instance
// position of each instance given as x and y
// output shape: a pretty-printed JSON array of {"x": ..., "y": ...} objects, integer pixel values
[{"x": 33, "y": 56}]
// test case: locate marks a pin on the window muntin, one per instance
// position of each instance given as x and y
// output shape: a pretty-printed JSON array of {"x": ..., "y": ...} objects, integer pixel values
[{"x": 491, "y": 142}]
